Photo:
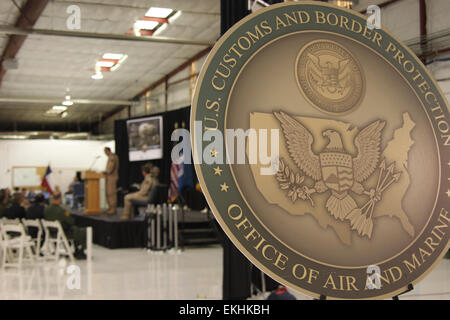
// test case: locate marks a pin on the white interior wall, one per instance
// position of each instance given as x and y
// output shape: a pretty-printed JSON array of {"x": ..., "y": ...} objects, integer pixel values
[{"x": 65, "y": 157}]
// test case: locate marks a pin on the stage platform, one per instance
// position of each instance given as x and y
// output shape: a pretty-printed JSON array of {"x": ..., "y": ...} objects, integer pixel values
[
  {"x": 194, "y": 228},
  {"x": 111, "y": 232}
]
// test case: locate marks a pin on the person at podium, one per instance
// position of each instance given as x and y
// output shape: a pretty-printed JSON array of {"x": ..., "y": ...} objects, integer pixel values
[
  {"x": 111, "y": 176},
  {"x": 150, "y": 174}
]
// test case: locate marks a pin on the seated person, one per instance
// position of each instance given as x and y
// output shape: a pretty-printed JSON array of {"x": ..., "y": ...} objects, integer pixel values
[
  {"x": 16, "y": 210},
  {"x": 3, "y": 203},
  {"x": 30, "y": 196},
  {"x": 55, "y": 212},
  {"x": 25, "y": 203},
  {"x": 8, "y": 197},
  {"x": 36, "y": 210},
  {"x": 46, "y": 195},
  {"x": 150, "y": 174}
]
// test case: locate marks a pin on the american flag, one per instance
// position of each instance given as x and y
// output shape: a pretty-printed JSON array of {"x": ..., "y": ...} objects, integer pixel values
[{"x": 176, "y": 171}]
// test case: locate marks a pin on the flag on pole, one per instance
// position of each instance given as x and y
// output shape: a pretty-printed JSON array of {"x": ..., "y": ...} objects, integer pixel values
[
  {"x": 176, "y": 170},
  {"x": 180, "y": 178},
  {"x": 185, "y": 181},
  {"x": 47, "y": 180}
]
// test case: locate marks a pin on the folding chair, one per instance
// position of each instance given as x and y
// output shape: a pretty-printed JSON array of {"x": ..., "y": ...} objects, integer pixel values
[
  {"x": 54, "y": 246},
  {"x": 30, "y": 224},
  {"x": 15, "y": 244},
  {"x": 10, "y": 221}
]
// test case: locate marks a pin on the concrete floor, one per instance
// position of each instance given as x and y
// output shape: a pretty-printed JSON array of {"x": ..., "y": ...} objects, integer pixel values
[{"x": 195, "y": 273}]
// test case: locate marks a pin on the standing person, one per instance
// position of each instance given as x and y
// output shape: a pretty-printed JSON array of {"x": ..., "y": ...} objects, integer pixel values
[
  {"x": 111, "y": 176},
  {"x": 150, "y": 174}
]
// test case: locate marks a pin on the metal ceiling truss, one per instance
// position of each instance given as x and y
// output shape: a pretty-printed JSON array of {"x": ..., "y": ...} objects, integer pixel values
[
  {"x": 29, "y": 14},
  {"x": 4, "y": 29}
]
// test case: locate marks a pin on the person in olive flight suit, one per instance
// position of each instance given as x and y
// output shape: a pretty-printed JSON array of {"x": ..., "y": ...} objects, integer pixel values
[
  {"x": 55, "y": 212},
  {"x": 36, "y": 210},
  {"x": 150, "y": 174},
  {"x": 111, "y": 176}
]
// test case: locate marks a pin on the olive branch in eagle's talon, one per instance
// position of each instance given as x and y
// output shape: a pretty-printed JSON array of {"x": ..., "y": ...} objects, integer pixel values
[{"x": 293, "y": 183}]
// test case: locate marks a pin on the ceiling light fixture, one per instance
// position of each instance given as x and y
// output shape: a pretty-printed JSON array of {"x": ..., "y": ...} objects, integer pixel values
[
  {"x": 97, "y": 76},
  {"x": 349, "y": 4},
  {"x": 105, "y": 64},
  {"x": 108, "y": 62},
  {"x": 136, "y": 31},
  {"x": 53, "y": 113},
  {"x": 145, "y": 25},
  {"x": 113, "y": 56},
  {"x": 59, "y": 108},
  {"x": 13, "y": 136},
  {"x": 67, "y": 99},
  {"x": 159, "y": 12},
  {"x": 175, "y": 17},
  {"x": 98, "y": 73},
  {"x": 122, "y": 60},
  {"x": 160, "y": 29}
]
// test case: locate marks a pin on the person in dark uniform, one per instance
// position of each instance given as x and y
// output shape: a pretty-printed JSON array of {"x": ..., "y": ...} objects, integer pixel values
[
  {"x": 55, "y": 212},
  {"x": 36, "y": 210},
  {"x": 16, "y": 211}
]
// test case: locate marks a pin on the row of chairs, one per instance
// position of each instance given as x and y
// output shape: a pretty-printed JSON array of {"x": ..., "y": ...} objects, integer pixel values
[{"x": 18, "y": 243}]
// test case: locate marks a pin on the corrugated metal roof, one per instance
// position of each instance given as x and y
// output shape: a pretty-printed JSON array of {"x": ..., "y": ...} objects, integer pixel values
[{"x": 48, "y": 65}]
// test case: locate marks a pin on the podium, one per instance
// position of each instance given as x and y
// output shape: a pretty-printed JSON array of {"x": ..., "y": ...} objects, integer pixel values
[{"x": 92, "y": 192}]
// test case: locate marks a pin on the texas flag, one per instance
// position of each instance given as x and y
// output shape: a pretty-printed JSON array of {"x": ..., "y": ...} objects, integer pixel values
[{"x": 47, "y": 180}]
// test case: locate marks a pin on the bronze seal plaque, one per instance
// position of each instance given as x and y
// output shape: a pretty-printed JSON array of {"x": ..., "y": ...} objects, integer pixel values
[{"x": 323, "y": 149}]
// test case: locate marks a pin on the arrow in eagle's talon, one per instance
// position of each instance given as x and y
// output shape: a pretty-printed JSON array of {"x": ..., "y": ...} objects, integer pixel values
[
  {"x": 382, "y": 168},
  {"x": 389, "y": 172},
  {"x": 395, "y": 178}
]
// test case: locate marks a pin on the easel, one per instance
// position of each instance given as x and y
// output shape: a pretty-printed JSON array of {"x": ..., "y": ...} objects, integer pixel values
[{"x": 408, "y": 289}]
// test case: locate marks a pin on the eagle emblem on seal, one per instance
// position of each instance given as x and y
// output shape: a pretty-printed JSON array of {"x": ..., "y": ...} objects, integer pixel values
[
  {"x": 330, "y": 76},
  {"x": 337, "y": 171}
]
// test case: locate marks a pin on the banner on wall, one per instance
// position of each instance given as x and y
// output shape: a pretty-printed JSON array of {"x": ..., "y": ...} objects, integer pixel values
[{"x": 341, "y": 186}]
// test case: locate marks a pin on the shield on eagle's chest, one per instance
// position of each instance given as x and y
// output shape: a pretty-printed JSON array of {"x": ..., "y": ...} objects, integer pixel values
[{"x": 337, "y": 170}]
